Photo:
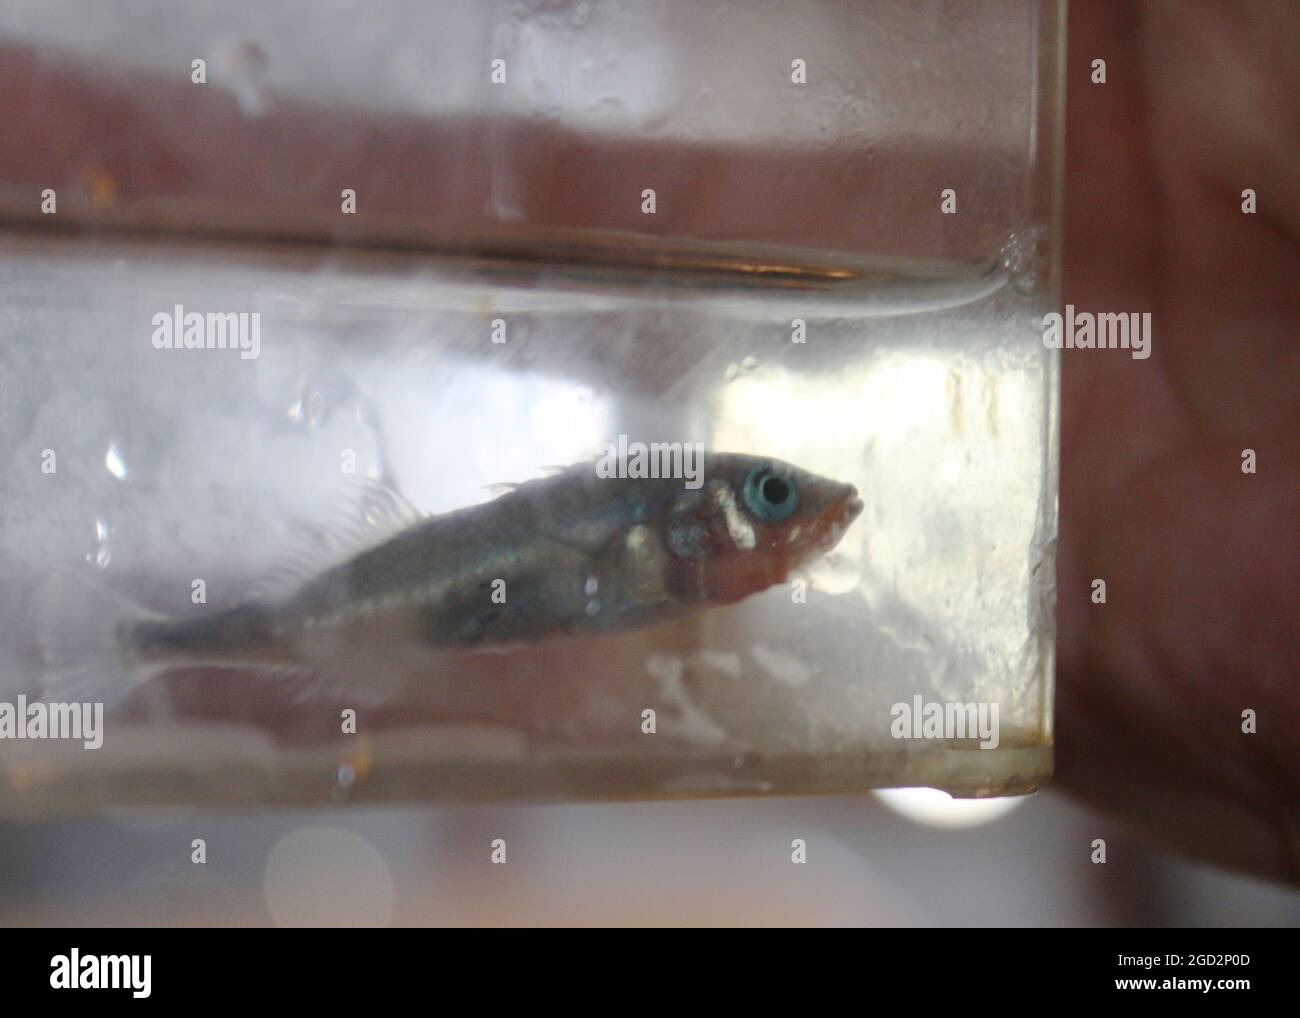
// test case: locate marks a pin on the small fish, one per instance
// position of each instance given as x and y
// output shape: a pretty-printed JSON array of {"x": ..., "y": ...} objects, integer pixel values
[{"x": 568, "y": 555}]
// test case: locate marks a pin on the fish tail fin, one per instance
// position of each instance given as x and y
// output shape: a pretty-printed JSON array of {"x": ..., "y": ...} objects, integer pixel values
[{"x": 83, "y": 630}]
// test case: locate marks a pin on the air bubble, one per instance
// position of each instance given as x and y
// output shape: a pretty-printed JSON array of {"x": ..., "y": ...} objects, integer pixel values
[
  {"x": 308, "y": 408},
  {"x": 115, "y": 463},
  {"x": 1020, "y": 258},
  {"x": 102, "y": 554}
]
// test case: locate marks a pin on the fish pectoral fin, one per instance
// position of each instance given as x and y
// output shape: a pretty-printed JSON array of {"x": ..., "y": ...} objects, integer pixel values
[{"x": 689, "y": 529}]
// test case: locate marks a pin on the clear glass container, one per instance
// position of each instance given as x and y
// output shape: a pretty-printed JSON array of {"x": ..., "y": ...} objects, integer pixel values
[{"x": 823, "y": 233}]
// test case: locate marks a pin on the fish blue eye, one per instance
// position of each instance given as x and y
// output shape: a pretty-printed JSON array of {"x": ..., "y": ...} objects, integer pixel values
[{"x": 770, "y": 496}]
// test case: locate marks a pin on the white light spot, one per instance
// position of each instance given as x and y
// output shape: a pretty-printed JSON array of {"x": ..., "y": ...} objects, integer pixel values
[
  {"x": 327, "y": 876},
  {"x": 934, "y": 808}
]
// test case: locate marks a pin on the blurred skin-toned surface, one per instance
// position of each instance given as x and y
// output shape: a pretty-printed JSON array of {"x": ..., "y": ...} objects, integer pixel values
[{"x": 1200, "y": 560}]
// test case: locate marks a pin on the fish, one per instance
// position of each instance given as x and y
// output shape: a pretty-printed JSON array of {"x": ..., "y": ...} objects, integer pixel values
[{"x": 575, "y": 554}]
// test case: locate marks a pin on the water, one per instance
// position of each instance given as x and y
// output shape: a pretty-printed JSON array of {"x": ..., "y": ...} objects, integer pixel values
[{"x": 929, "y": 389}]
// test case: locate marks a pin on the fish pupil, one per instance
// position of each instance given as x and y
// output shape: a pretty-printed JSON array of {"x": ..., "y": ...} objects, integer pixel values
[
  {"x": 776, "y": 491},
  {"x": 769, "y": 495}
]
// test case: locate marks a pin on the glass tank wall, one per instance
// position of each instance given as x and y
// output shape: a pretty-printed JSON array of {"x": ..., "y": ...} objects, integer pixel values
[{"x": 416, "y": 255}]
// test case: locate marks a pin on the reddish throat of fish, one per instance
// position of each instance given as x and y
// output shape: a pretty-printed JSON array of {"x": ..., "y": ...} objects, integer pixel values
[{"x": 749, "y": 554}]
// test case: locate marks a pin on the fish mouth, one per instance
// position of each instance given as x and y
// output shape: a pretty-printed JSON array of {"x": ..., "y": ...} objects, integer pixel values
[
  {"x": 845, "y": 507},
  {"x": 849, "y": 504}
]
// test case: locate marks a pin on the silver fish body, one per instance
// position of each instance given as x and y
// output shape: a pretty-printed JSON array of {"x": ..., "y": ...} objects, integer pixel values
[{"x": 569, "y": 555}]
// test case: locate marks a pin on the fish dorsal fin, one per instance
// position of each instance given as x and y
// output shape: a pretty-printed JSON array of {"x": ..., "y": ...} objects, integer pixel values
[
  {"x": 505, "y": 487},
  {"x": 368, "y": 514}
]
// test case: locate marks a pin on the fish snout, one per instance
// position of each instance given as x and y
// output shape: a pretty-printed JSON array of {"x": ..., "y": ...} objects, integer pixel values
[
  {"x": 847, "y": 506},
  {"x": 841, "y": 506},
  {"x": 853, "y": 504}
]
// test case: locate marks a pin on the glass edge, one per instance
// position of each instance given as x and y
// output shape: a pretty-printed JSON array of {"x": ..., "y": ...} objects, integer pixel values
[{"x": 1047, "y": 204}]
